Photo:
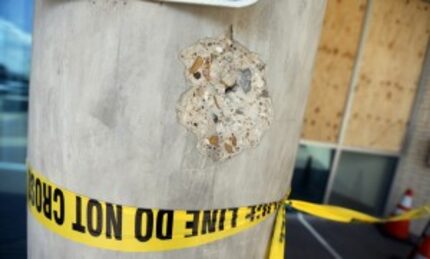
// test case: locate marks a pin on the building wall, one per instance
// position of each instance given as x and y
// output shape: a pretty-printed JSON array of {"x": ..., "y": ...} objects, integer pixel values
[
  {"x": 365, "y": 83},
  {"x": 383, "y": 80},
  {"x": 413, "y": 170}
]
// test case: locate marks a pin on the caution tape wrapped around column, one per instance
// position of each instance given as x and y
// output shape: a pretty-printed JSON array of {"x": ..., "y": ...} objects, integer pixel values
[{"x": 133, "y": 229}]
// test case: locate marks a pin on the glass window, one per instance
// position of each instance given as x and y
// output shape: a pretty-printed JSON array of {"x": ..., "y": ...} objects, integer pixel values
[
  {"x": 362, "y": 181},
  {"x": 15, "y": 53},
  {"x": 311, "y": 173}
]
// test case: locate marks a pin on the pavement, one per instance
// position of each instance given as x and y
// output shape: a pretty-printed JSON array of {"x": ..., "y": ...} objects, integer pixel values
[
  {"x": 13, "y": 226},
  {"x": 310, "y": 237}
]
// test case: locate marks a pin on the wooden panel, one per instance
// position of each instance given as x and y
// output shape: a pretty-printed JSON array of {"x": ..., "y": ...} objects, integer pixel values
[
  {"x": 333, "y": 68},
  {"x": 392, "y": 60}
]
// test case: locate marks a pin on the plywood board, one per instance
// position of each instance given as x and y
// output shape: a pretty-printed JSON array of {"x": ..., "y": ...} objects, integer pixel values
[
  {"x": 392, "y": 59},
  {"x": 336, "y": 54}
]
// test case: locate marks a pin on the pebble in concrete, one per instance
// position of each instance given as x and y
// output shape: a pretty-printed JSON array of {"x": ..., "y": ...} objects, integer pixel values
[{"x": 228, "y": 106}]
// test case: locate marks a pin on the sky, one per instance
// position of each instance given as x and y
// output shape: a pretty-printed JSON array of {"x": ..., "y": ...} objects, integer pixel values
[
  {"x": 18, "y": 12},
  {"x": 16, "y": 18}
]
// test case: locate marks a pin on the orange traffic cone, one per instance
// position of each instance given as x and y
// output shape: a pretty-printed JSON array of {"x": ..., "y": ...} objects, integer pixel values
[
  {"x": 424, "y": 250},
  {"x": 400, "y": 229}
]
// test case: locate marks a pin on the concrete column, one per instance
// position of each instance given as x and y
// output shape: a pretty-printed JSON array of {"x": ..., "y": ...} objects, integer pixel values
[{"x": 105, "y": 82}]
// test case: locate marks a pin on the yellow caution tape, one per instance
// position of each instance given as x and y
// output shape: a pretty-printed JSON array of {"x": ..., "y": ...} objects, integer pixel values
[
  {"x": 344, "y": 215},
  {"x": 131, "y": 229}
]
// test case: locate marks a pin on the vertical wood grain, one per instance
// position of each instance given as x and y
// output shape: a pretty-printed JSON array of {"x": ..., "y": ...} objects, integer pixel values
[
  {"x": 392, "y": 60},
  {"x": 333, "y": 68}
]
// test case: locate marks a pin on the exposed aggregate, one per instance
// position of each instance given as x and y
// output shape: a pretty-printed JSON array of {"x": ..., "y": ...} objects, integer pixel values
[{"x": 228, "y": 106}]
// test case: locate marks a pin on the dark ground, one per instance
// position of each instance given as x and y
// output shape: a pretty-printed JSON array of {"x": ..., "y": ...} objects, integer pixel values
[
  {"x": 348, "y": 240},
  {"x": 12, "y": 226}
]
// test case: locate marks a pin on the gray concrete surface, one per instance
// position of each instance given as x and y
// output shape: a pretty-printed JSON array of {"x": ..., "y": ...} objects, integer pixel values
[{"x": 105, "y": 82}]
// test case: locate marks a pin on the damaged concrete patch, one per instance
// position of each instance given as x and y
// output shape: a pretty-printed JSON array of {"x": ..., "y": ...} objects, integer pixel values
[{"x": 228, "y": 106}]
